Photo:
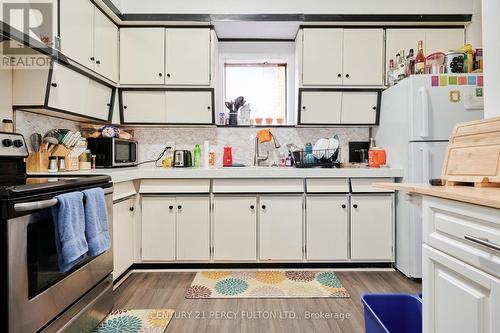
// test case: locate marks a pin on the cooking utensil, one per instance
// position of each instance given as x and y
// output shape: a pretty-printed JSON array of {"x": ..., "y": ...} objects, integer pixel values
[{"x": 35, "y": 141}]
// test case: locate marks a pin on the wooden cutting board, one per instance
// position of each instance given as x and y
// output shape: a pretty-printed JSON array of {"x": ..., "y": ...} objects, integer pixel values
[{"x": 473, "y": 154}]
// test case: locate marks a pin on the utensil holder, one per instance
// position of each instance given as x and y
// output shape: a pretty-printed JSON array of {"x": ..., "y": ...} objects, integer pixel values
[
  {"x": 72, "y": 163},
  {"x": 37, "y": 162}
]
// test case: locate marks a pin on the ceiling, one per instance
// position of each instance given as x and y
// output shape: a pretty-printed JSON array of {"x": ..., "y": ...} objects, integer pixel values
[{"x": 259, "y": 30}]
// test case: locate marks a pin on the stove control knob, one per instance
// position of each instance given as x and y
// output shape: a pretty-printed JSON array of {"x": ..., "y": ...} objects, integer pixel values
[
  {"x": 18, "y": 143},
  {"x": 7, "y": 142}
]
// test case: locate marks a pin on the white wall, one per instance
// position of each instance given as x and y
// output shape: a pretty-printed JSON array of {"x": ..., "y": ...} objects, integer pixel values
[
  {"x": 297, "y": 6},
  {"x": 491, "y": 43},
  {"x": 5, "y": 94},
  {"x": 257, "y": 51}
]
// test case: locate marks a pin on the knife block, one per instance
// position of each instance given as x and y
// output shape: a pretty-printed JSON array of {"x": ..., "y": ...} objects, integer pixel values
[{"x": 37, "y": 162}]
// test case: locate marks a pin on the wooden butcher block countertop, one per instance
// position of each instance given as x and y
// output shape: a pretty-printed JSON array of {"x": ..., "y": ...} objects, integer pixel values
[{"x": 483, "y": 196}]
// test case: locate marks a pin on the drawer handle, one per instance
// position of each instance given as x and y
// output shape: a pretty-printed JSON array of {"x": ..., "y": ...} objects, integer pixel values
[
  {"x": 252, "y": 207},
  {"x": 263, "y": 206},
  {"x": 179, "y": 207},
  {"x": 343, "y": 206},
  {"x": 355, "y": 206},
  {"x": 483, "y": 241},
  {"x": 131, "y": 209},
  {"x": 170, "y": 207},
  {"x": 54, "y": 85}
]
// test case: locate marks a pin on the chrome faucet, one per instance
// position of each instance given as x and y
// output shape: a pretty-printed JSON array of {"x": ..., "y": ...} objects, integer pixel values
[{"x": 258, "y": 158}]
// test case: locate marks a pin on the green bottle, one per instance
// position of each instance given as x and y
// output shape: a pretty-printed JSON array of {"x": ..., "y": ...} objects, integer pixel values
[{"x": 197, "y": 156}]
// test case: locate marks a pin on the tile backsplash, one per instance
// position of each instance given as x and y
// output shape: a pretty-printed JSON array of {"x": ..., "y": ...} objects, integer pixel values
[{"x": 152, "y": 140}]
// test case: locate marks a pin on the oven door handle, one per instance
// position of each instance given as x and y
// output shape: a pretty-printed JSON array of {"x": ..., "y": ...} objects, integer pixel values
[{"x": 29, "y": 206}]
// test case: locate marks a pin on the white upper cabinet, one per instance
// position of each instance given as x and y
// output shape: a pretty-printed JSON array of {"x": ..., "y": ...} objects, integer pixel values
[
  {"x": 68, "y": 90},
  {"x": 77, "y": 30},
  {"x": 89, "y": 37},
  {"x": 98, "y": 101},
  {"x": 187, "y": 60},
  {"x": 363, "y": 57},
  {"x": 192, "y": 107},
  {"x": 443, "y": 40},
  {"x": 322, "y": 57},
  {"x": 142, "y": 54},
  {"x": 359, "y": 107},
  {"x": 106, "y": 46},
  {"x": 144, "y": 107},
  {"x": 320, "y": 107},
  {"x": 349, "y": 57}
]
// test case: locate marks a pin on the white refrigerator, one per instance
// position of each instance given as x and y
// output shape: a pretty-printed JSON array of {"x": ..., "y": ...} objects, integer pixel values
[{"x": 416, "y": 120}]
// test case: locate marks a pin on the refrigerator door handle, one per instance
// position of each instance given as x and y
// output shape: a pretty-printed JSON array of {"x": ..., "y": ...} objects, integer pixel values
[
  {"x": 424, "y": 96},
  {"x": 425, "y": 164}
]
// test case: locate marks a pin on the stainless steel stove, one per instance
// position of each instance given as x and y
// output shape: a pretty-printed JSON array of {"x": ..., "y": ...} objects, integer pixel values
[{"x": 38, "y": 297}]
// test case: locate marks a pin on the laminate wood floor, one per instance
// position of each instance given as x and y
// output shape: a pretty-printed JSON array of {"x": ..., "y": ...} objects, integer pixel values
[{"x": 143, "y": 290}]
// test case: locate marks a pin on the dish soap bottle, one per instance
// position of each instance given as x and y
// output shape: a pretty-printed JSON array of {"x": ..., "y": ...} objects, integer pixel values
[{"x": 197, "y": 156}]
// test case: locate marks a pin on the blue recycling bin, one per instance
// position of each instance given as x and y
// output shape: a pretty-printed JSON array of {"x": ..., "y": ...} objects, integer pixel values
[{"x": 392, "y": 313}]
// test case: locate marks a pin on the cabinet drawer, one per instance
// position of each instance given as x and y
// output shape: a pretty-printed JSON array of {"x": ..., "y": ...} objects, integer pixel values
[
  {"x": 258, "y": 186},
  {"x": 123, "y": 190},
  {"x": 364, "y": 185},
  {"x": 467, "y": 232},
  {"x": 175, "y": 186},
  {"x": 322, "y": 185}
]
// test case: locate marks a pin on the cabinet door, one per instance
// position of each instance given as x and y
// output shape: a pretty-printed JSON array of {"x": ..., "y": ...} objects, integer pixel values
[
  {"x": 322, "y": 57},
  {"x": 363, "y": 57},
  {"x": 187, "y": 58},
  {"x": 443, "y": 40},
  {"x": 189, "y": 107},
  {"x": 458, "y": 297},
  {"x": 280, "y": 228},
  {"x": 371, "y": 228},
  {"x": 193, "y": 228},
  {"x": 123, "y": 240},
  {"x": 77, "y": 30},
  {"x": 106, "y": 46},
  {"x": 144, "y": 107},
  {"x": 158, "y": 228},
  {"x": 142, "y": 55},
  {"x": 98, "y": 100},
  {"x": 327, "y": 228},
  {"x": 235, "y": 228},
  {"x": 359, "y": 108},
  {"x": 320, "y": 107},
  {"x": 68, "y": 90}
]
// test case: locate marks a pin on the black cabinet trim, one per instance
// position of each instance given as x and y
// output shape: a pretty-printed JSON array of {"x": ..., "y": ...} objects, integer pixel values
[
  {"x": 377, "y": 117},
  {"x": 120, "y": 101}
]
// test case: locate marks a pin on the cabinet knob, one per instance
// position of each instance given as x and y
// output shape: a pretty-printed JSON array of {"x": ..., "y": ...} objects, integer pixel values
[
  {"x": 339, "y": 75},
  {"x": 263, "y": 206},
  {"x": 124, "y": 106},
  {"x": 160, "y": 74},
  {"x": 374, "y": 108},
  {"x": 344, "y": 206},
  {"x": 170, "y": 207},
  {"x": 355, "y": 206},
  {"x": 98, "y": 62},
  {"x": 54, "y": 85},
  {"x": 208, "y": 107},
  {"x": 303, "y": 108},
  {"x": 108, "y": 104},
  {"x": 168, "y": 74},
  {"x": 92, "y": 58},
  {"x": 179, "y": 207},
  {"x": 131, "y": 209},
  {"x": 347, "y": 75},
  {"x": 252, "y": 207}
]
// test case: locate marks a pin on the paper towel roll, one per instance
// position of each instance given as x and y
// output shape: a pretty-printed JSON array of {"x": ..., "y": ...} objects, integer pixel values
[{"x": 206, "y": 150}]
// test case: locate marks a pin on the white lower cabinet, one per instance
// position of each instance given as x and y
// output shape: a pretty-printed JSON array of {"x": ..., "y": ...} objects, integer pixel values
[
  {"x": 193, "y": 228},
  {"x": 327, "y": 221},
  {"x": 175, "y": 228},
  {"x": 158, "y": 228},
  {"x": 235, "y": 228},
  {"x": 280, "y": 228},
  {"x": 458, "y": 297},
  {"x": 372, "y": 227},
  {"x": 123, "y": 236}
]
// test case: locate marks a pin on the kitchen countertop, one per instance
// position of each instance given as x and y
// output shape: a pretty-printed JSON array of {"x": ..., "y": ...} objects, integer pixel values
[
  {"x": 483, "y": 196},
  {"x": 151, "y": 172}
]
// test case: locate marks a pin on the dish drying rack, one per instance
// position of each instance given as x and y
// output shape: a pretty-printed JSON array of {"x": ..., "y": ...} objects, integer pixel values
[{"x": 317, "y": 158}]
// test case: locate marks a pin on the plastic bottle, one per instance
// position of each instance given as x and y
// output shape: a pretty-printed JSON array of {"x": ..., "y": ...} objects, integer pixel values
[{"x": 197, "y": 156}]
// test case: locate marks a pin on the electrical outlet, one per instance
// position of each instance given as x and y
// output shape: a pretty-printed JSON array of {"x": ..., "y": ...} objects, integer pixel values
[{"x": 170, "y": 144}]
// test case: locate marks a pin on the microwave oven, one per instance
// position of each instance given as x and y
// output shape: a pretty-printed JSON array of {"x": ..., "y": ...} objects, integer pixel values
[{"x": 113, "y": 152}]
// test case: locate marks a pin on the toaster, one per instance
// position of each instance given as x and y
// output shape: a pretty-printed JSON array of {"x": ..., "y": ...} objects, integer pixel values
[{"x": 182, "y": 159}]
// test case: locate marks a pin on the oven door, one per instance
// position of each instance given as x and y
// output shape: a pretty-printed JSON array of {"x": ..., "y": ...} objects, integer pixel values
[{"x": 38, "y": 291}]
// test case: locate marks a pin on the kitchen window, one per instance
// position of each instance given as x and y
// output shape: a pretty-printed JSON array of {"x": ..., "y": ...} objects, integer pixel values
[{"x": 263, "y": 85}]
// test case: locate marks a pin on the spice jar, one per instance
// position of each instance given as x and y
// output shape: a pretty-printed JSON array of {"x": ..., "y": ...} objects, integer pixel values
[{"x": 7, "y": 126}]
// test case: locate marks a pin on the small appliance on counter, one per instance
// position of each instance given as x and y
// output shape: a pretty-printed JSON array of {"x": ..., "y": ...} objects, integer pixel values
[
  {"x": 183, "y": 159},
  {"x": 358, "y": 152},
  {"x": 113, "y": 152}
]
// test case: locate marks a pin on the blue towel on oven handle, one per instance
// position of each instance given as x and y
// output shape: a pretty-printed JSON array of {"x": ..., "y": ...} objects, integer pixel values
[
  {"x": 96, "y": 221},
  {"x": 69, "y": 225}
]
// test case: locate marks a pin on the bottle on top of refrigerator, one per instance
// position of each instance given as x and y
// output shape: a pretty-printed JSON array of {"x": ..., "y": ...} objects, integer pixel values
[
  {"x": 401, "y": 65},
  {"x": 420, "y": 59},
  {"x": 395, "y": 72},
  {"x": 390, "y": 73},
  {"x": 410, "y": 63}
]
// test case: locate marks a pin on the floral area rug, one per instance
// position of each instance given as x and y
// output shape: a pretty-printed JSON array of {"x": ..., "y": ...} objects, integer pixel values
[
  {"x": 266, "y": 284},
  {"x": 136, "y": 321}
]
